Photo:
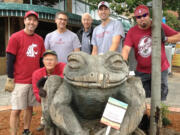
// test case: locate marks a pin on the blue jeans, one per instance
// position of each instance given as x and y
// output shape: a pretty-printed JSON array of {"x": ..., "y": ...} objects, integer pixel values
[{"x": 146, "y": 81}]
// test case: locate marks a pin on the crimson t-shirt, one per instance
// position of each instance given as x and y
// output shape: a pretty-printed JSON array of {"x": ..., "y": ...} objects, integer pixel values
[
  {"x": 28, "y": 49},
  {"x": 141, "y": 41},
  {"x": 39, "y": 73}
]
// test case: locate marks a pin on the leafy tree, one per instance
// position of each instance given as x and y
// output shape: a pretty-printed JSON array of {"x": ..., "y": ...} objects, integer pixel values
[
  {"x": 172, "y": 21},
  {"x": 171, "y": 5},
  {"x": 119, "y": 6},
  {"x": 127, "y": 6}
]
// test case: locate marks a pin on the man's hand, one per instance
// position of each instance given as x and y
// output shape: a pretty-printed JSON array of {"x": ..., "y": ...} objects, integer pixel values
[
  {"x": 40, "y": 85},
  {"x": 9, "y": 86},
  {"x": 42, "y": 93}
]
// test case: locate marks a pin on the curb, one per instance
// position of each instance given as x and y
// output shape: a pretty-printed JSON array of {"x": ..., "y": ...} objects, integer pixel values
[{"x": 171, "y": 109}]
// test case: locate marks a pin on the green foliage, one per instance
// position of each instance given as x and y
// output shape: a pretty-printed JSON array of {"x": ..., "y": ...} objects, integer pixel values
[
  {"x": 128, "y": 6},
  {"x": 166, "y": 122},
  {"x": 34, "y": 113},
  {"x": 171, "y": 5},
  {"x": 172, "y": 21},
  {"x": 164, "y": 110},
  {"x": 164, "y": 113}
]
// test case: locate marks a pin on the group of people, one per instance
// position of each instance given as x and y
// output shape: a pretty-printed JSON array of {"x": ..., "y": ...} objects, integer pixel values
[{"x": 27, "y": 52}]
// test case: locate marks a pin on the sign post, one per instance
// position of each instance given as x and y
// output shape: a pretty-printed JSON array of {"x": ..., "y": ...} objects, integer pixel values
[{"x": 108, "y": 130}]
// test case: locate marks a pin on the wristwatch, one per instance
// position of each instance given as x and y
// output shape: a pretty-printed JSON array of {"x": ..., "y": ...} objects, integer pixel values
[{"x": 166, "y": 39}]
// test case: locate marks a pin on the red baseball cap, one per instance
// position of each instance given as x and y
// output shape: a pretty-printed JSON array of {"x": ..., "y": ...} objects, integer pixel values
[
  {"x": 31, "y": 12},
  {"x": 140, "y": 10}
]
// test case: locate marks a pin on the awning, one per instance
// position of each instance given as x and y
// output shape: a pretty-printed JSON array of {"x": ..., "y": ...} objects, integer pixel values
[{"x": 45, "y": 13}]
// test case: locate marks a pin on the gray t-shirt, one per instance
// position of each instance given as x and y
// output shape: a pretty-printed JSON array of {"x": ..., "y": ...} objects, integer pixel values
[
  {"x": 62, "y": 44},
  {"x": 86, "y": 43},
  {"x": 102, "y": 36}
]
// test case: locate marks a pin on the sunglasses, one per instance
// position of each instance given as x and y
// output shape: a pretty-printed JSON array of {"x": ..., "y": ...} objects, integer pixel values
[
  {"x": 144, "y": 15},
  {"x": 61, "y": 19}
]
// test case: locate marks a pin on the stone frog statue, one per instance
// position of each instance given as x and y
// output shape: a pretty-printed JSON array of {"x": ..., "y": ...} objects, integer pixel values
[{"x": 88, "y": 83}]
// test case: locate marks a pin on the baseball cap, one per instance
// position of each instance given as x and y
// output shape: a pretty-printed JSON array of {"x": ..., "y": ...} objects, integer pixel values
[
  {"x": 31, "y": 12},
  {"x": 103, "y": 3},
  {"x": 49, "y": 52},
  {"x": 140, "y": 10}
]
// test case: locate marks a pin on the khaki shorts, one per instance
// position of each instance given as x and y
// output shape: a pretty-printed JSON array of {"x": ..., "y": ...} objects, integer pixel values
[{"x": 23, "y": 97}]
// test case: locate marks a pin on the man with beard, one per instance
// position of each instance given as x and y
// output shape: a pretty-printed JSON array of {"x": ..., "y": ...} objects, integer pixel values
[
  {"x": 139, "y": 37},
  {"x": 24, "y": 51},
  {"x": 106, "y": 36}
]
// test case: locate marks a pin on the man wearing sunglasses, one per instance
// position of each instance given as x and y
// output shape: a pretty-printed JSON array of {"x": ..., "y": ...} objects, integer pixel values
[{"x": 139, "y": 37}]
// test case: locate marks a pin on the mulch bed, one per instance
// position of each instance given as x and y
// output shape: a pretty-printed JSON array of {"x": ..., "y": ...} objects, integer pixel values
[{"x": 172, "y": 129}]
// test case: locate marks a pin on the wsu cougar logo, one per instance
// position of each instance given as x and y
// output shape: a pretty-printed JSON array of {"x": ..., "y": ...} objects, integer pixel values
[
  {"x": 31, "y": 52},
  {"x": 145, "y": 46}
]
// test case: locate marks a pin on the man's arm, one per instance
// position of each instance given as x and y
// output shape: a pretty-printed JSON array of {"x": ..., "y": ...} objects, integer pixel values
[
  {"x": 35, "y": 78},
  {"x": 174, "y": 38},
  {"x": 118, "y": 33},
  {"x": 76, "y": 44},
  {"x": 95, "y": 50},
  {"x": 10, "y": 64},
  {"x": 115, "y": 43},
  {"x": 46, "y": 42},
  {"x": 9, "y": 85},
  {"x": 125, "y": 52},
  {"x": 94, "y": 43},
  {"x": 170, "y": 35}
]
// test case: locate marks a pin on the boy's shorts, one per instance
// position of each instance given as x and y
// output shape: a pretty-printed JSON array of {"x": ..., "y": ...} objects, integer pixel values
[{"x": 23, "y": 97}]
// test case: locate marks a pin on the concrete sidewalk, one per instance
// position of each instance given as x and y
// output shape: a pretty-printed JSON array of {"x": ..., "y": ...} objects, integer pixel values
[
  {"x": 4, "y": 96},
  {"x": 173, "y": 99}
]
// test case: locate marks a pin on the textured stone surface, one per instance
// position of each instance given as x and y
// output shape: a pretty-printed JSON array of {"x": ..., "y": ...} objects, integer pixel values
[{"x": 74, "y": 103}]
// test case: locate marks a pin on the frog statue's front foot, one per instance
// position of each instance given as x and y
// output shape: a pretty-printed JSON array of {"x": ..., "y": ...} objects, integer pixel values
[{"x": 83, "y": 93}]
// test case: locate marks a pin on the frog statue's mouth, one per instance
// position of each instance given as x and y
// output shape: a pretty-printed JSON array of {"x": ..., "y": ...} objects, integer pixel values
[
  {"x": 101, "y": 71},
  {"x": 95, "y": 80}
]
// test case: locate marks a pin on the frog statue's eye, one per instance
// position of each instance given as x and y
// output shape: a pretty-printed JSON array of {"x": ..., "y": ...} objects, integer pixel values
[
  {"x": 114, "y": 62},
  {"x": 75, "y": 61}
]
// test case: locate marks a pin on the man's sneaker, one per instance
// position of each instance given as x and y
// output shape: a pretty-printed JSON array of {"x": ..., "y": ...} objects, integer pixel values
[
  {"x": 27, "y": 133},
  {"x": 40, "y": 128}
]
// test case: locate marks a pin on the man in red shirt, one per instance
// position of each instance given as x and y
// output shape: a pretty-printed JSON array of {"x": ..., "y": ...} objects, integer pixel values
[
  {"x": 51, "y": 67},
  {"x": 24, "y": 51},
  {"x": 139, "y": 37}
]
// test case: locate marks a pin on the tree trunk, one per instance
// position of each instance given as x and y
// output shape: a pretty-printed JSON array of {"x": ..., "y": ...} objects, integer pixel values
[{"x": 156, "y": 65}]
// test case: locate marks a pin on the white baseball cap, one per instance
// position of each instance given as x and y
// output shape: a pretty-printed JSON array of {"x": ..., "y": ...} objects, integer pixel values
[{"x": 103, "y": 3}]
